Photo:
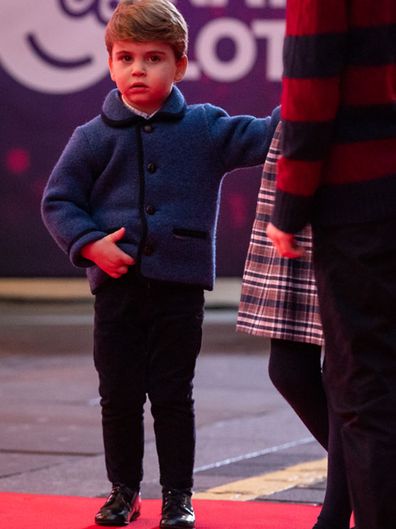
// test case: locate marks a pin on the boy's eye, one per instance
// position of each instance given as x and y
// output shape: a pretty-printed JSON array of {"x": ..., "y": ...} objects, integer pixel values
[
  {"x": 154, "y": 58},
  {"x": 126, "y": 58}
]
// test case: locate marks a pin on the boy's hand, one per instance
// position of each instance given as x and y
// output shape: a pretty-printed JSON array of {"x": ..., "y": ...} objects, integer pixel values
[
  {"x": 108, "y": 256},
  {"x": 284, "y": 242}
]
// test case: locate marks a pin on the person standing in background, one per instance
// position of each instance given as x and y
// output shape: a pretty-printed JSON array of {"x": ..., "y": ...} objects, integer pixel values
[
  {"x": 279, "y": 302},
  {"x": 338, "y": 172}
]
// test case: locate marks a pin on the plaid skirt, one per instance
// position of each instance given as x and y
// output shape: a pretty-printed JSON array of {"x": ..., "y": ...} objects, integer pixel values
[{"x": 278, "y": 297}]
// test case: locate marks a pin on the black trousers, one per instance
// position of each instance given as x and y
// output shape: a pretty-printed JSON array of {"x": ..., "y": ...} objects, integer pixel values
[
  {"x": 147, "y": 337},
  {"x": 295, "y": 369},
  {"x": 355, "y": 269}
]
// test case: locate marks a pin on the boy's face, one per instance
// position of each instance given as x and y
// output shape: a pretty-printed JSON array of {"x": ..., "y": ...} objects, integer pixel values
[{"x": 144, "y": 72}]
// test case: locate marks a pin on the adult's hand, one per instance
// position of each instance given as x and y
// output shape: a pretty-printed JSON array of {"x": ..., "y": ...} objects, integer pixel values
[{"x": 284, "y": 243}]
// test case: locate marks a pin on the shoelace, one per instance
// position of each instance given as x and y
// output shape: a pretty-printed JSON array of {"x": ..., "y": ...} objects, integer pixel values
[
  {"x": 118, "y": 490},
  {"x": 176, "y": 501}
]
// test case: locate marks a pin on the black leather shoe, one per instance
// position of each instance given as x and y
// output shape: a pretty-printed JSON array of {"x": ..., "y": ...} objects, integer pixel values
[
  {"x": 177, "y": 511},
  {"x": 121, "y": 507}
]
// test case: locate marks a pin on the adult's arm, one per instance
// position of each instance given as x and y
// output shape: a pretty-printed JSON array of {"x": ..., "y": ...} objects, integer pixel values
[{"x": 314, "y": 55}]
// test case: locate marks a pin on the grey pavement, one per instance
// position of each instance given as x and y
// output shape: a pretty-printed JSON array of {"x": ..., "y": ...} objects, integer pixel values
[{"x": 50, "y": 437}]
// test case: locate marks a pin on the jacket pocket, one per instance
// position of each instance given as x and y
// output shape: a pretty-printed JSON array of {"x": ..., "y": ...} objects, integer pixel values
[{"x": 184, "y": 233}]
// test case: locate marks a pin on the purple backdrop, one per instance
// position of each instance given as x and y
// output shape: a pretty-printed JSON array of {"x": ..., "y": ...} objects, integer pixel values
[{"x": 53, "y": 77}]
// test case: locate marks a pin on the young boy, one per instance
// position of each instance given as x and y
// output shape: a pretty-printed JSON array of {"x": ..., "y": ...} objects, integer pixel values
[{"x": 134, "y": 198}]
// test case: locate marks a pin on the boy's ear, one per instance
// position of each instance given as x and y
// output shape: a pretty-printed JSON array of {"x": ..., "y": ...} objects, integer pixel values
[{"x": 181, "y": 67}]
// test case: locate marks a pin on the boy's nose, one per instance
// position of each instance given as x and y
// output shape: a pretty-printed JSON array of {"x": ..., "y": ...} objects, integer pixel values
[{"x": 138, "y": 69}]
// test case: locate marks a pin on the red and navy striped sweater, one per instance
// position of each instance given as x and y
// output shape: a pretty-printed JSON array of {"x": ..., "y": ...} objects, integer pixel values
[{"x": 339, "y": 112}]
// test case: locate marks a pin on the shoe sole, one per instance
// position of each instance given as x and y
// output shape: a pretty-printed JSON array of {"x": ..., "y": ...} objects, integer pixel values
[
  {"x": 135, "y": 515},
  {"x": 162, "y": 526}
]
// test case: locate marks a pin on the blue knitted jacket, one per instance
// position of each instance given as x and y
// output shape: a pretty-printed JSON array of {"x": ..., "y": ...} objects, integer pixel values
[{"x": 159, "y": 178}]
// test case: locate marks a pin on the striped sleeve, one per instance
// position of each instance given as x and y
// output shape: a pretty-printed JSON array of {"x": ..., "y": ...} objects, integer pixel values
[{"x": 315, "y": 41}]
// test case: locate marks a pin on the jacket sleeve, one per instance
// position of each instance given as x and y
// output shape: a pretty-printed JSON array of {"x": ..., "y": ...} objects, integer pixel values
[
  {"x": 314, "y": 51},
  {"x": 64, "y": 205},
  {"x": 240, "y": 141}
]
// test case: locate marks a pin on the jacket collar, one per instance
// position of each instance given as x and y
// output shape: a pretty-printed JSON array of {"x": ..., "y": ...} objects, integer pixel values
[{"x": 116, "y": 114}]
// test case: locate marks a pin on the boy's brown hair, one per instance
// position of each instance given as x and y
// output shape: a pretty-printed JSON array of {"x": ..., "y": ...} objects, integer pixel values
[{"x": 148, "y": 20}]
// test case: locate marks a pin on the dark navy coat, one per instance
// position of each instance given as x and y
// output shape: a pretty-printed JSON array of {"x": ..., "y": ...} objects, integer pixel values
[{"x": 159, "y": 178}]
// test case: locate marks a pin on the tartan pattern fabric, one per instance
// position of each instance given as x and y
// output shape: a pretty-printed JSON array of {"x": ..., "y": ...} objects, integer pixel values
[{"x": 278, "y": 296}]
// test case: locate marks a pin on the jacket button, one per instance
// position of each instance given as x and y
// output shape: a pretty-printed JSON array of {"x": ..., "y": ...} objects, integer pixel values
[
  {"x": 151, "y": 167},
  {"x": 148, "y": 250},
  {"x": 148, "y": 128},
  {"x": 150, "y": 210}
]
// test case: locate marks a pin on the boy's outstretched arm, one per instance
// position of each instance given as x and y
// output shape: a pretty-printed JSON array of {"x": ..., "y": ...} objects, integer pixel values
[{"x": 108, "y": 256}]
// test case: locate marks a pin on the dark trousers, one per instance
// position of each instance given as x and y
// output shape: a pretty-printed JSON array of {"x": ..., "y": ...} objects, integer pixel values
[
  {"x": 295, "y": 369},
  {"x": 146, "y": 341},
  {"x": 355, "y": 269}
]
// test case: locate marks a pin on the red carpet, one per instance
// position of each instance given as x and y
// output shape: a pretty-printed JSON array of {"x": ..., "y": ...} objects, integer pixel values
[{"x": 31, "y": 511}]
